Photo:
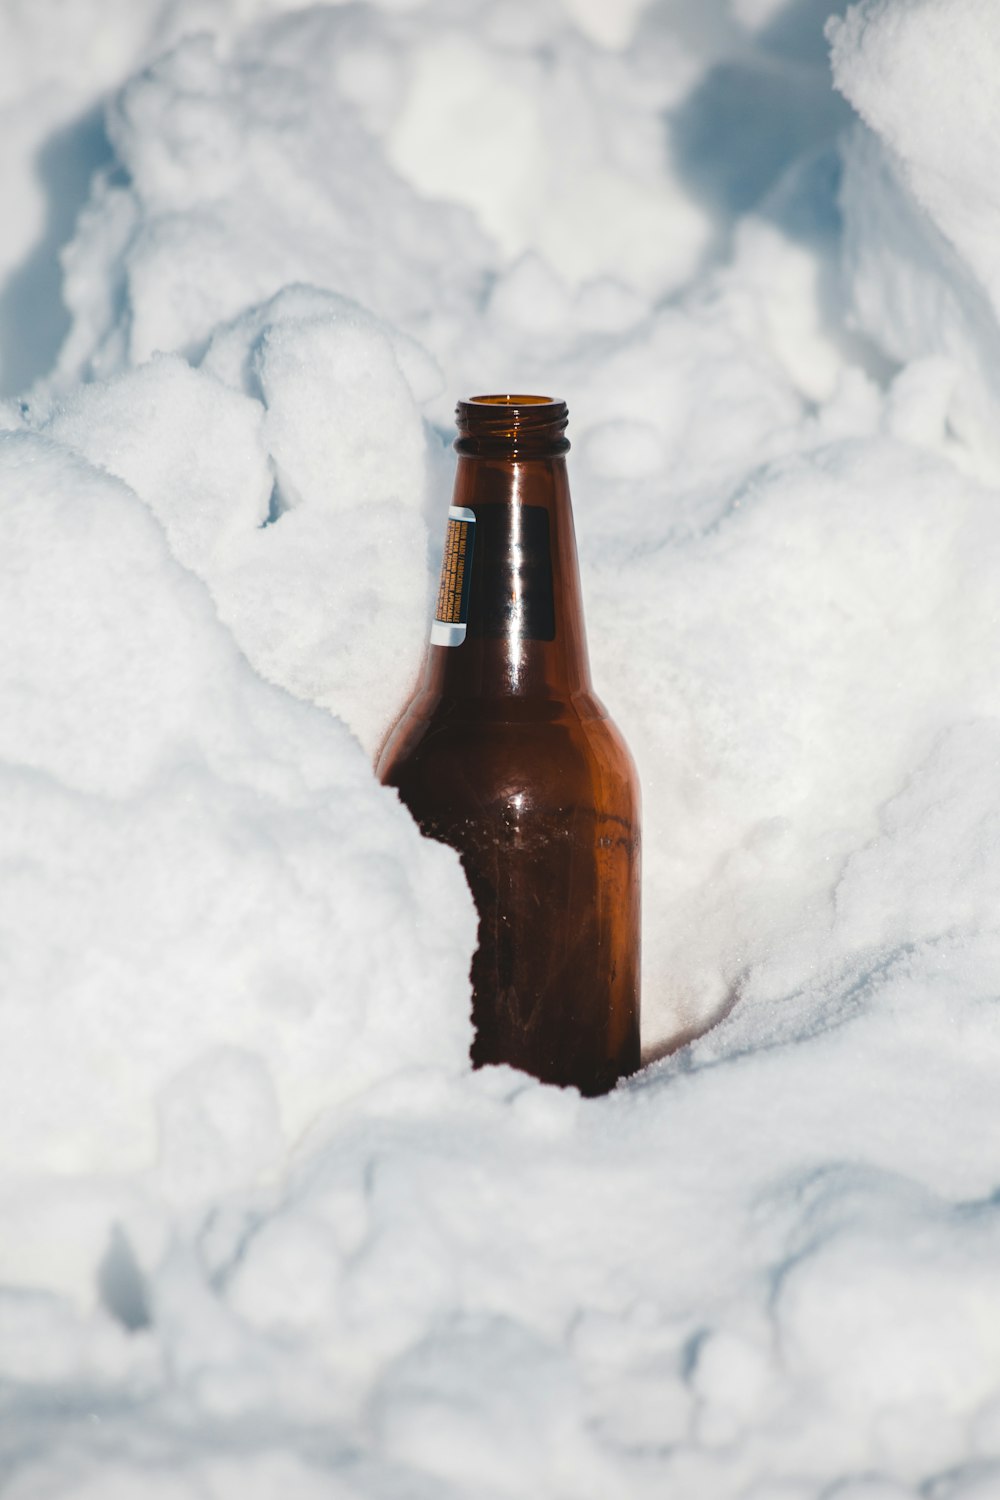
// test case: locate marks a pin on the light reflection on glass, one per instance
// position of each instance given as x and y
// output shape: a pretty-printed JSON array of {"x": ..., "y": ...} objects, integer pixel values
[{"x": 515, "y": 619}]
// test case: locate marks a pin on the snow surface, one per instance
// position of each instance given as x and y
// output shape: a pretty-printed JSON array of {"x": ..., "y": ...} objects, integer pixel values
[{"x": 262, "y": 1232}]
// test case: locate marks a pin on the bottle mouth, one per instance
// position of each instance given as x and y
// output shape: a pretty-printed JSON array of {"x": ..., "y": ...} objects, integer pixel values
[{"x": 511, "y": 425}]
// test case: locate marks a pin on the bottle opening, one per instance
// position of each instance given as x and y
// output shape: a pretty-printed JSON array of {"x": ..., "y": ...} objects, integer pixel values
[
  {"x": 508, "y": 425},
  {"x": 512, "y": 401}
]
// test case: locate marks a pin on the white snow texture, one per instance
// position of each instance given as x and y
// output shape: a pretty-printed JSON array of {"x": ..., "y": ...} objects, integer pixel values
[{"x": 263, "y": 1233}]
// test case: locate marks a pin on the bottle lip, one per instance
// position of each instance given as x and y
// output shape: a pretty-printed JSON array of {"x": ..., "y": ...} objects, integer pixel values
[{"x": 509, "y": 425}]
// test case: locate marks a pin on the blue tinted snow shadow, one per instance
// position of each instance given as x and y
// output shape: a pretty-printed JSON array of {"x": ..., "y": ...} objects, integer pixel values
[
  {"x": 768, "y": 101},
  {"x": 33, "y": 317}
]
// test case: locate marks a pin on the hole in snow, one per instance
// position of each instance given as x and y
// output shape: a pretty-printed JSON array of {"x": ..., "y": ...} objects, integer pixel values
[
  {"x": 121, "y": 1285},
  {"x": 275, "y": 507}
]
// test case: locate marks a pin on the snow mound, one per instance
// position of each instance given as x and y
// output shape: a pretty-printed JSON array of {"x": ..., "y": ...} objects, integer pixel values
[
  {"x": 920, "y": 196},
  {"x": 183, "y": 843}
]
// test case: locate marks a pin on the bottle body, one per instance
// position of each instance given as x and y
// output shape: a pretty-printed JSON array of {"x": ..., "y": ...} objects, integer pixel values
[{"x": 506, "y": 754}]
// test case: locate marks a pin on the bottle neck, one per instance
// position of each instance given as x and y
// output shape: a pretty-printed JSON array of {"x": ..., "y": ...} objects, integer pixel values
[{"x": 525, "y": 636}]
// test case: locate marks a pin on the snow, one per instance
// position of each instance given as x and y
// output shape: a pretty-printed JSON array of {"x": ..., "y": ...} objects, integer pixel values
[{"x": 263, "y": 1231}]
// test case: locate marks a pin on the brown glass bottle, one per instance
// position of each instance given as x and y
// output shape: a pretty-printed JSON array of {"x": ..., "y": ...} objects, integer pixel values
[{"x": 506, "y": 754}]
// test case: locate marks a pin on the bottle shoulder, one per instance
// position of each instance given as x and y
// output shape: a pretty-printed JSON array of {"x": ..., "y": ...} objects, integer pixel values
[
  {"x": 567, "y": 753},
  {"x": 440, "y": 707}
]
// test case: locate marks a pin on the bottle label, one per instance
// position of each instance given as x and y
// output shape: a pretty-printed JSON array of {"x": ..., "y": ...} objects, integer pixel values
[{"x": 452, "y": 613}]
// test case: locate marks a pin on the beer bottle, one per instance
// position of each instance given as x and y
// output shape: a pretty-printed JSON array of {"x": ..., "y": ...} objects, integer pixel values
[{"x": 506, "y": 754}]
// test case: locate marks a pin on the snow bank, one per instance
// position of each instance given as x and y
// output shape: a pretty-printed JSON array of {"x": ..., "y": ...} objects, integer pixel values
[
  {"x": 920, "y": 197},
  {"x": 262, "y": 1230},
  {"x": 303, "y": 411},
  {"x": 183, "y": 983}
]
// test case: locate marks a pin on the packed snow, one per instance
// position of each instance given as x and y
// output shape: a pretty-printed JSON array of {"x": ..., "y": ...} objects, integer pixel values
[{"x": 263, "y": 1232}]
